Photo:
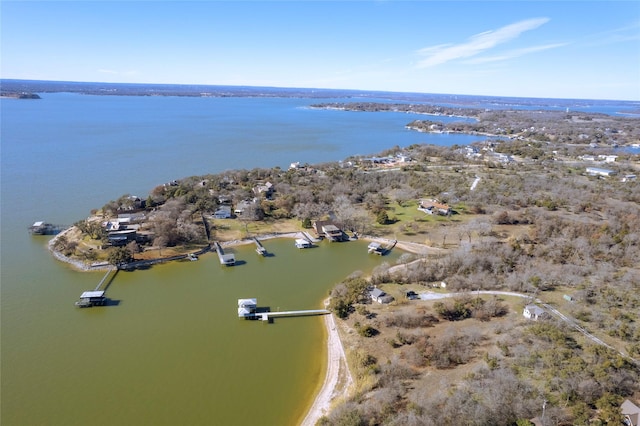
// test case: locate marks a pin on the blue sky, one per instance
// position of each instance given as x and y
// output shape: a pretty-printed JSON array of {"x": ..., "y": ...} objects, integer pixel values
[{"x": 558, "y": 49}]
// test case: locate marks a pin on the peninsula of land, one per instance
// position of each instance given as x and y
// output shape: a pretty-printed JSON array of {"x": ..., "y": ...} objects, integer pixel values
[{"x": 545, "y": 205}]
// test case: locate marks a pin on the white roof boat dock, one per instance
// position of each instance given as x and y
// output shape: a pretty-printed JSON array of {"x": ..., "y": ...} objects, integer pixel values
[
  {"x": 91, "y": 298},
  {"x": 302, "y": 243},
  {"x": 225, "y": 259},
  {"x": 248, "y": 309}
]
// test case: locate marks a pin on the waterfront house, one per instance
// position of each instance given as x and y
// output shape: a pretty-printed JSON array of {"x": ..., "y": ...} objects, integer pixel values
[
  {"x": 328, "y": 229},
  {"x": 534, "y": 312},
  {"x": 380, "y": 296},
  {"x": 121, "y": 238}
]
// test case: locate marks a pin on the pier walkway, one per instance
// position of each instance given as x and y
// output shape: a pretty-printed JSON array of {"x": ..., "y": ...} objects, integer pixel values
[
  {"x": 104, "y": 279},
  {"x": 259, "y": 247},
  {"x": 97, "y": 296},
  {"x": 225, "y": 259},
  {"x": 248, "y": 309},
  {"x": 265, "y": 316}
]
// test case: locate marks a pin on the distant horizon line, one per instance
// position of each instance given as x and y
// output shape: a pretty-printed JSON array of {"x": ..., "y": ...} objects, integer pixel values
[{"x": 309, "y": 89}]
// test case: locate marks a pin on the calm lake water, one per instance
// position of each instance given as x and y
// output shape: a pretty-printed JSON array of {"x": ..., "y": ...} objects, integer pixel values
[{"x": 172, "y": 351}]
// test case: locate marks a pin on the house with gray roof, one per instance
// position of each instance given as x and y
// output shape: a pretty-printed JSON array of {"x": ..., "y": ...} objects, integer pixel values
[
  {"x": 377, "y": 295},
  {"x": 534, "y": 312}
]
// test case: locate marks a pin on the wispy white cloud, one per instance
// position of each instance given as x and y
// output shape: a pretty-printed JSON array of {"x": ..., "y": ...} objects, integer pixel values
[
  {"x": 440, "y": 54},
  {"x": 514, "y": 53},
  {"x": 623, "y": 34}
]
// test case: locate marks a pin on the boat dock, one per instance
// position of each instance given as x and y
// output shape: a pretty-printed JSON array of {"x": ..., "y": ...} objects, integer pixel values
[
  {"x": 225, "y": 259},
  {"x": 97, "y": 296},
  {"x": 248, "y": 309},
  {"x": 259, "y": 247},
  {"x": 266, "y": 316},
  {"x": 377, "y": 248},
  {"x": 43, "y": 228}
]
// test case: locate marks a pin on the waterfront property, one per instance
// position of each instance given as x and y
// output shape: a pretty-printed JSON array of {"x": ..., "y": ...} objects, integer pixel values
[{"x": 328, "y": 230}]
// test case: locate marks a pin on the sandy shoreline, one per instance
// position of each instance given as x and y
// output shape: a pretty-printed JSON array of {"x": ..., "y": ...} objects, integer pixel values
[{"x": 337, "y": 371}]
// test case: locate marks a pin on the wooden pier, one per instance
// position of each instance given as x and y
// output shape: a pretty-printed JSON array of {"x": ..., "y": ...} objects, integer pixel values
[
  {"x": 97, "y": 296},
  {"x": 225, "y": 259},
  {"x": 259, "y": 247},
  {"x": 266, "y": 316},
  {"x": 248, "y": 309}
]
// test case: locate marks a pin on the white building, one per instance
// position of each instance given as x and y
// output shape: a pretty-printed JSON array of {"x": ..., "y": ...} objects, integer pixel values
[
  {"x": 534, "y": 312},
  {"x": 597, "y": 171}
]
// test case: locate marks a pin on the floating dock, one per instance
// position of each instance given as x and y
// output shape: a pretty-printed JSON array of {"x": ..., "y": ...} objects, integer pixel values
[
  {"x": 248, "y": 309},
  {"x": 259, "y": 247},
  {"x": 225, "y": 259}
]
